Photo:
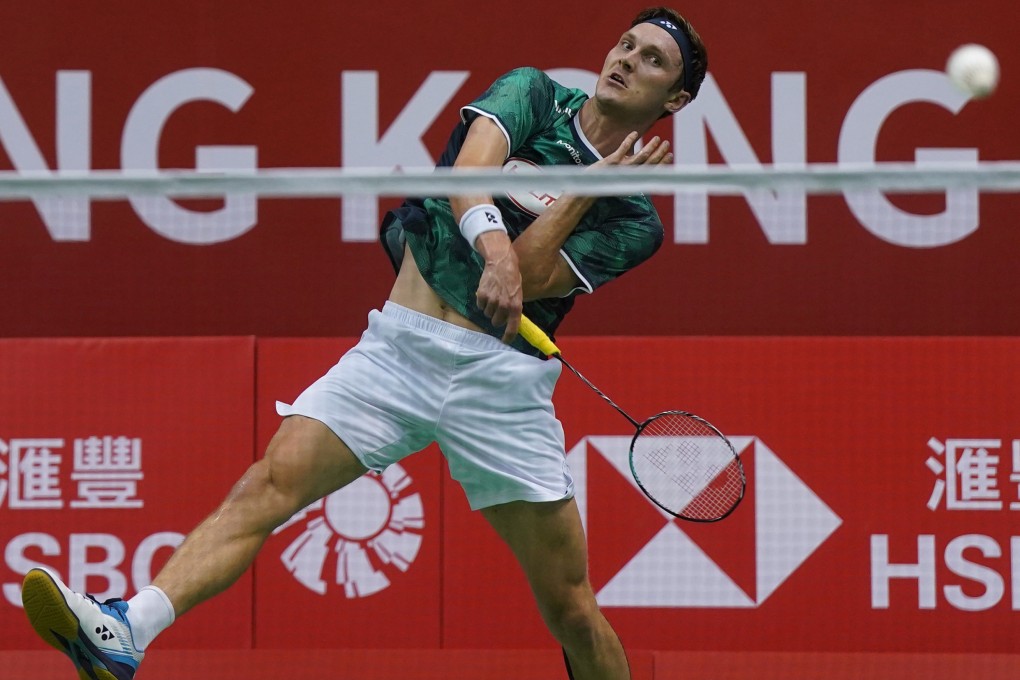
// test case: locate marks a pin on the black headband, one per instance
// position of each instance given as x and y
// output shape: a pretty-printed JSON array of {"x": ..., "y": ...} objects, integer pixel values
[{"x": 681, "y": 41}]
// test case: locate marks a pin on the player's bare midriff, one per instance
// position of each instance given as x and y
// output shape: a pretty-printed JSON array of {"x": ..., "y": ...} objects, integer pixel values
[{"x": 411, "y": 291}]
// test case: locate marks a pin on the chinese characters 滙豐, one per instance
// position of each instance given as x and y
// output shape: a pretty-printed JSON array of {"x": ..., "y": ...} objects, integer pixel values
[
  {"x": 968, "y": 474},
  {"x": 105, "y": 472}
]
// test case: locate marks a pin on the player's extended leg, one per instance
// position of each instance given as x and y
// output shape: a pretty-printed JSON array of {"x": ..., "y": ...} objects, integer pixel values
[
  {"x": 548, "y": 541},
  {"x": 305, "y": 461}
]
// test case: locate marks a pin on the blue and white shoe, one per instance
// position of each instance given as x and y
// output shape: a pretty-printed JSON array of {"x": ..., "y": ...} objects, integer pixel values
[{"x": 95, "y": 635}]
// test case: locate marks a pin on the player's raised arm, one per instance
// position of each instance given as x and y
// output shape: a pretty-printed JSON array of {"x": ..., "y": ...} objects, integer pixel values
[
  {"x": 499, "y": 293},
  {"x": 544, "y": 271}
]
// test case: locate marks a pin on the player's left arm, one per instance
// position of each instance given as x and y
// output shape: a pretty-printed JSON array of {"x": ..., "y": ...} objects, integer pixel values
[{"x": 544, "y": 271}]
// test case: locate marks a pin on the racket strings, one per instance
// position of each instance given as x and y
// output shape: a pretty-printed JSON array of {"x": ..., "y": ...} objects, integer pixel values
[
  {"x": 687, "y": 467},
  {"x": 674, "y": 463}
]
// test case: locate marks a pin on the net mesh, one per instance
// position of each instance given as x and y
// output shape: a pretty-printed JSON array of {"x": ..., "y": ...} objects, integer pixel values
[
  {"x": 817, "y": 178},
  {"x": 230, "y": 201}
]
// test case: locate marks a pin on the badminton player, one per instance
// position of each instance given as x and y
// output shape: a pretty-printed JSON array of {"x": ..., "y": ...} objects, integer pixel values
[{"x": 441, "y": 361}]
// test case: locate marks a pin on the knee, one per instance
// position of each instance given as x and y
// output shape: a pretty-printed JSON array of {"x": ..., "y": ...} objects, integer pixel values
[
  {"x": 273, "y": 488},
  {"x": 260, "y": 496},
  {"x": 575, "y": 619}
]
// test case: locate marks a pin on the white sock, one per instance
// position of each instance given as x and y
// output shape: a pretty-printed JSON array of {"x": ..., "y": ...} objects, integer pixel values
[{"x": 150, "y": 613}]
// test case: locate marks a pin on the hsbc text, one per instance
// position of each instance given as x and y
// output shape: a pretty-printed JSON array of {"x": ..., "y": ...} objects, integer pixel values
[
  {"x": 97, "y": 563},
  {"x": 975, "y": 572}
]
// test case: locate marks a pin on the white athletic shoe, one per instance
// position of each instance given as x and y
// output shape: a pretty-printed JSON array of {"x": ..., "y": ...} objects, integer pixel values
[{"x": 95, "y": 635}]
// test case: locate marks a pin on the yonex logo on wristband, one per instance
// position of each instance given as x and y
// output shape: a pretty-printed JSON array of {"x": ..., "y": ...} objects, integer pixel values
[{"x": 480, "y": 219}]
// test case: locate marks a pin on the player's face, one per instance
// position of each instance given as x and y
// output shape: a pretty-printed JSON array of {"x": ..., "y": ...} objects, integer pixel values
[{"x": 640, "y": 71}]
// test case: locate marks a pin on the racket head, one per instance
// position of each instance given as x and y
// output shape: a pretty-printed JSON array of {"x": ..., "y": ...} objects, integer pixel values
[{"x": 687, "y": 467}]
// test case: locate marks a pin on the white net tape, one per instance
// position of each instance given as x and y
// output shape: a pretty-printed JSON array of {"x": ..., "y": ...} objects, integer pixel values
[{"x": 1001, "y": 176}]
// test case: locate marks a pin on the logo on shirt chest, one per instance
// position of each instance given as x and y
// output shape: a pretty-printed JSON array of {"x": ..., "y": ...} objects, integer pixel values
[{"x": 533, "y": 202}]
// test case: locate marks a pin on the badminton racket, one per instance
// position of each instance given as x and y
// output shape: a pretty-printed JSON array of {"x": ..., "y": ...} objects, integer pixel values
[{"x": 679, "y": 460}]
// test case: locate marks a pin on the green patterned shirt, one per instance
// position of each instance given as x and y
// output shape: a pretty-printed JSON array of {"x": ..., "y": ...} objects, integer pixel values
[{"x": 539, "y": 119}]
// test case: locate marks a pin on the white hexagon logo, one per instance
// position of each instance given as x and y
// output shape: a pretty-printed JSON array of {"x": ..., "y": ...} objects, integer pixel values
[{"x": 673, "y": 570}]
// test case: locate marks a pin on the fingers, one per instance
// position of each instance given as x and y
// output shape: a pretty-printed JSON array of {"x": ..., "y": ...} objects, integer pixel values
[
  {"x": 499, "y": 294},
  {"x": 502, "y": 313},
  {"x": 661, "y": 154},
  {"x": 656, "y": 151},
  {"x": 513, "y": 323},
  {"x": 625, "y": 146},
  {"x": 502, "y": 302}
]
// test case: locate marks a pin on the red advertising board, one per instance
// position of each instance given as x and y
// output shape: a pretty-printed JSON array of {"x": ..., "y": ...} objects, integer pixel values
[
  {"x": 881, "y": 515},
  {"x": 186, "y": 84},
  {"x": 880, "y": 518},
  {"x": 363, "y": 564},
  {"x": 111, "y": 451}
]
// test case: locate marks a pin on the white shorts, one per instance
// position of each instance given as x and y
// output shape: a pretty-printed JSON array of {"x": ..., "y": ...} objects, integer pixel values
[{"x": 413, "y": 379}]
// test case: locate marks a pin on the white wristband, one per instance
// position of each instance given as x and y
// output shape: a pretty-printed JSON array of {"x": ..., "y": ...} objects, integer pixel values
[{"x": 479, "y": 219}]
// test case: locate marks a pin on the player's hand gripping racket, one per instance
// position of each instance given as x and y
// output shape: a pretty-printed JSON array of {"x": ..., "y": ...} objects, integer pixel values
[{"x": 683, "y": 463}]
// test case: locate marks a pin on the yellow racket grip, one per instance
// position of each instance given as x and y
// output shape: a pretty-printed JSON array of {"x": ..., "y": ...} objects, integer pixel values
[{"x": 536, "y": 337}]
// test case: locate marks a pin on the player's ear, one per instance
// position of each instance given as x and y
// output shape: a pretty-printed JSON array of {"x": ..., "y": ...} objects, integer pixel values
[{"x": 677, "y": 101}]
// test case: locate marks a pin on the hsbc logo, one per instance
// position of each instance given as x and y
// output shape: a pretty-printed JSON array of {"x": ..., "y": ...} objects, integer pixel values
[
  {"x": 643, "y": 557},
  {"x": 357, "y": 537},
  {"x": 367, "y": 533}
]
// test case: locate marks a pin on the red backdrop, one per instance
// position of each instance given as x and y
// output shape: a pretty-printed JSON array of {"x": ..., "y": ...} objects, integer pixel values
[
  {"x": 188, "y": 404},
  {"x": 884, "y": 486},
  {"x": 127, "y": 85},
  {"x": 883, "y": 472}
]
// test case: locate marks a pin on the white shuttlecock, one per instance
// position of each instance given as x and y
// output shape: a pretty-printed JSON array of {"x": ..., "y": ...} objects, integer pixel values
[{"x": 974, "y": 69}]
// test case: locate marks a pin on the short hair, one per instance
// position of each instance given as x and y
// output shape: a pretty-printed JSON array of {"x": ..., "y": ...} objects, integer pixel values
[{"x": 699, "y": 55}]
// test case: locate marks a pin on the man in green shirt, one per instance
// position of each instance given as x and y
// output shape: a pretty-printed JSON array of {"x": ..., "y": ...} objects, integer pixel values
[
  {"x": 538, "y": 125},
  {"x": 442, "y": 361}
]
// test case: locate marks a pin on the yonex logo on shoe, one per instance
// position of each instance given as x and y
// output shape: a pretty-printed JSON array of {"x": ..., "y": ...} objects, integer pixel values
[
  {"x": 104, "y": 633},
  {"x": 362, "y": 534}
]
